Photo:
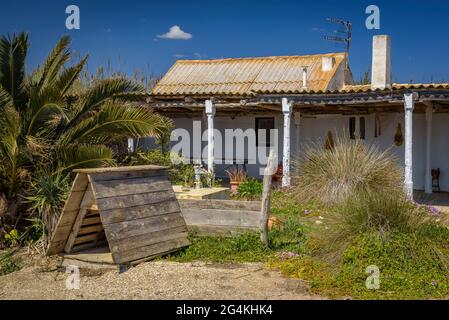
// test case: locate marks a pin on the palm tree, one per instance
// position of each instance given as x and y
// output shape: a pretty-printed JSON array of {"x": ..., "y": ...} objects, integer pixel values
[{"x": 45, "y": 122}]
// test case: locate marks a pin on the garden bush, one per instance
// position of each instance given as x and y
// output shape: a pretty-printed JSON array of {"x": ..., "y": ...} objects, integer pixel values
[
  {"x": 364, "y": 219},
  {"x": 9, "y": 263},
  {"x": 250, "y": 189},
  {"x": 180, "y": 173}
]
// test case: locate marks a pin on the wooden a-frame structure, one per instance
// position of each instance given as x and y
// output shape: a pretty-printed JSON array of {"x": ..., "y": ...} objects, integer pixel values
[{"x": 132, "y": 210}]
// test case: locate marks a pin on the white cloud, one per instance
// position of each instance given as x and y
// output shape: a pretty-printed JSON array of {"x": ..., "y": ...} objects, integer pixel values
[
  {"x": 179, "y": 55},
  {"x": 175, "y": 33}
]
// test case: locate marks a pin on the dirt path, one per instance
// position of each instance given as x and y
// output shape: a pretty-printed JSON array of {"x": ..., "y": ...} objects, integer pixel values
[{"x": 157, "y": 280}]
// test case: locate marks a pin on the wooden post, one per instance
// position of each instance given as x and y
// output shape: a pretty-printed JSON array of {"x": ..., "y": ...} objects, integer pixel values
[{"x": 265, "y": 209}]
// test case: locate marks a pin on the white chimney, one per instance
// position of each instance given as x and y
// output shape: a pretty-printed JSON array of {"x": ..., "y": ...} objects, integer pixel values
[
  {"x": 381, "y": 66},
  {"x": 327, "y": 63},
  {"x": 304, "y": 78}
]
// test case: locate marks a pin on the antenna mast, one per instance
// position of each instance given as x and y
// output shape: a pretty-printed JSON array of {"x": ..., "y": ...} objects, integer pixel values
[{"x": 347, "y": 25}]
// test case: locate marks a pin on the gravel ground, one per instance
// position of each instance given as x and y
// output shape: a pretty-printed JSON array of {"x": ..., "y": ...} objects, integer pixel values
[{"x": 156, "y": 280}]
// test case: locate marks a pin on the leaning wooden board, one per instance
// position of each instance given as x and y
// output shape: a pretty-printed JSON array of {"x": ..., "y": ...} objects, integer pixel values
[
  {"x": 137, "y": 207},
  {"x": 221, "y": 217}
]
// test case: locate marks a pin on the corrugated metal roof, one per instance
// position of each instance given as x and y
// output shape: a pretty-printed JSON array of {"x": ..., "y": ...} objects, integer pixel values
[
  {"x": 364, "y": 88},
  {"x": 246, "y": 76}
]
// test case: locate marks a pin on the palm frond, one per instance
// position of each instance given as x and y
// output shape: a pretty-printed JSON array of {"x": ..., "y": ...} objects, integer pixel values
[
  {"x": 5, "y": 99},
  {"x": 84, "y": 156},
  {"x": 115, "y": 121},
  {"x": 68, "y": 77},
  {"x": 12, "y": 66},
  {"x": 55, "y": 62},
  {"x": 43, "y": 118},
  {"x": 101, "y": 92},
  {"x": 9, "y": 134},
  {"x": 44, "y": 105}
]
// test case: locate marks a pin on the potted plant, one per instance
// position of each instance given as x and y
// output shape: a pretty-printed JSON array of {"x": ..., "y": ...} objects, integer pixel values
[{"x": 236, "y": 177}]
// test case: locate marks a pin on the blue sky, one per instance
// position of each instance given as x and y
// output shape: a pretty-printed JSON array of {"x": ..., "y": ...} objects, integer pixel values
[{"x": 126, "y": 32}]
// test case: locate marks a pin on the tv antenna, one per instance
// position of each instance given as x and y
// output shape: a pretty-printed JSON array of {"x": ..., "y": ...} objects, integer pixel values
[{"x": 345, "y": 38}]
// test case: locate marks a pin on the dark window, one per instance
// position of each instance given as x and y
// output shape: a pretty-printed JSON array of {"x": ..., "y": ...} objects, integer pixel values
[
  {"x": 265, "y": 124},
  {"x": 362, "y": 127},
  {"x": 352, "y": 127}
]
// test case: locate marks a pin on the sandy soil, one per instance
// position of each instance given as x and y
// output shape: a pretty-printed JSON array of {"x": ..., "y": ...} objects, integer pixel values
[{"x": 155, "y": 280}]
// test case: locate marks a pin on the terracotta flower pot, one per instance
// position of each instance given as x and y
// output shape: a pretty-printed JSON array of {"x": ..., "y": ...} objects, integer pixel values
[{"x": 235, "y": 186}]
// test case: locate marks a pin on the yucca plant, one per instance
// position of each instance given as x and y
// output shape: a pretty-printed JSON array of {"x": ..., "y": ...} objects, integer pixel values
[
  {"x": 45, "y": 123},
  {"x": 48, "y": 192}
]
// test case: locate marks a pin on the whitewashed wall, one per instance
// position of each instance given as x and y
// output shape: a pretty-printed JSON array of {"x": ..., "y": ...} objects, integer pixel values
[{"x": 314, "y": 129}]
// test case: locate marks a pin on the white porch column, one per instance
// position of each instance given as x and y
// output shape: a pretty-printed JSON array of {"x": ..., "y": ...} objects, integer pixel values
[
  {"x": 210, "y": 112},
  {"x": 287, "y": 111},
  {"x": 409, "y": 105},
  {"x": 428, "y": 176}
]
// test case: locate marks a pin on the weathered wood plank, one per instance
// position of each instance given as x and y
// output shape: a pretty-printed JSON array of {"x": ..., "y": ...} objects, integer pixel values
[
  {"x": 74, "y": 233},
  {"x": 135, "y": 200},
  {"x": 62, "y": 234},
  {"x": 74, "y": 201},
  {"x": 139, "y": 212},
  {"x": 221, "y": 217},
  {"x": 214, "y": 230},
  {"x": 220, "y": 204},
  {"x": 121, "y": 169},
  {"x": 91, "y": 220},
  {"x": 80, "y": 182},
  {"x": 126, "y": 229},
  {"x": 147, "y": 239},
  {"x": 126, "y": 175},
  {"x": 89, "y": 245},
  {"x": 68, "y": 215},
  {"x": 89, "y": 238},
  {"x": 68, "y": 218},
  {"x": 115, "y": 188},
  {"x": 90, "y": 229},
  {"x": 151, "y": 250}
]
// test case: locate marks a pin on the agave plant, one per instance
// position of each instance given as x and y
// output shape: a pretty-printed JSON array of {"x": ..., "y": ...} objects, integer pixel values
[{"x": 44, "y": 122}]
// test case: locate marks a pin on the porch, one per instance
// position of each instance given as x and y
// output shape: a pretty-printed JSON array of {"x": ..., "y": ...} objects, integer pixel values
[
  {"x": 419, "y": 112},
  {"x": 439, "y": 200}
]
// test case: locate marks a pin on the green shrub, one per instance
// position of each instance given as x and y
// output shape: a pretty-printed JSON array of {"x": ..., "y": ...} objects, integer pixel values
[
  {"x": 290, "y": 238},
  {"x": 49, "y": 192},
  {"x": 410, "y": 267},
  {"x": 250, "y": 189},
  {"x": 242, "y": 248},
  {"x": 9, "y": 263},
  {"x": 331, "y": 176},
  {"x": 246, "y": 247},
  {"x": 180, "y": 173}
]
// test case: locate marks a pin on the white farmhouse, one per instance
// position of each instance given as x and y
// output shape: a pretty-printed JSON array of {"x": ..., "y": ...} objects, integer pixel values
[{"x": 305, "y": 98}]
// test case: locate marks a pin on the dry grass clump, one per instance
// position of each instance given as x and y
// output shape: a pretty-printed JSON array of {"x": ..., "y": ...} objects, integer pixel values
[
  {"x": 331, "y": 176},
  {"x": 382, "y": 213}
]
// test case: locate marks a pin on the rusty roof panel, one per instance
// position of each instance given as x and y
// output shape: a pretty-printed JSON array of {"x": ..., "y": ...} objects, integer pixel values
[{"x": 245, "y": 76}]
